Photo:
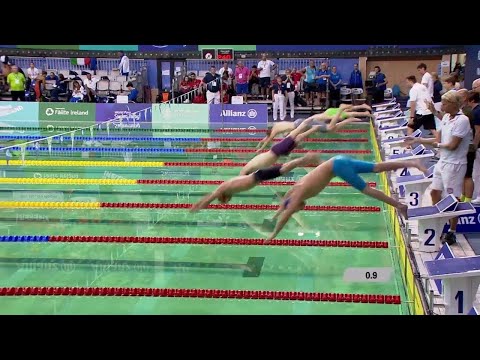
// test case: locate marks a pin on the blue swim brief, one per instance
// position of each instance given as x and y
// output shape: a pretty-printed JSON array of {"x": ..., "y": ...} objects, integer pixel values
[{"x": 348, "y": 169}]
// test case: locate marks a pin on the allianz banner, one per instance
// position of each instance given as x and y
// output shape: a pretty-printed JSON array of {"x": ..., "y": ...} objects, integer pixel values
[{"x": 239, "y": 116}]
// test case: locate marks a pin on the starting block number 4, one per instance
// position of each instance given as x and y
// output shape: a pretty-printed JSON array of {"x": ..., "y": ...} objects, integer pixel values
[{"x": 364, "y": 274}]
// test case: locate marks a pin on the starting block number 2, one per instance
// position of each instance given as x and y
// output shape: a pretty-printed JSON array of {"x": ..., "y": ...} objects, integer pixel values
[{"x": 430, "y": 235}]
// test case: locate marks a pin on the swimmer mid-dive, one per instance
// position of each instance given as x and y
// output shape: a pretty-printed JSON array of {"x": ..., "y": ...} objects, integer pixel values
[
  {"x": 347, "y": 169},
  {"x": 349, "y": 114},
  {"x": 288, "y": 144},
  {"x": 243, "y": 183}
]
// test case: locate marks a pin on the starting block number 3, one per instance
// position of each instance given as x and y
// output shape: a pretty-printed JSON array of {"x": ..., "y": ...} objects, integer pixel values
[{"x": 413, "y": 198}]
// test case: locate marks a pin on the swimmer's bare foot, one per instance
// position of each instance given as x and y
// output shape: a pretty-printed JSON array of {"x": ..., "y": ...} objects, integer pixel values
[{"x": 403, "y": 209}]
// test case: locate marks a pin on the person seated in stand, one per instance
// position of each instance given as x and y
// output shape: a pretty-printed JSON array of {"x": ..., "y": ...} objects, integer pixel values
[
  {"x": 347, "y": 169},
  {"x": 133, "y": 93},
  {"x": 348, "y": 113},
  {"x": 243, "y": 183}
]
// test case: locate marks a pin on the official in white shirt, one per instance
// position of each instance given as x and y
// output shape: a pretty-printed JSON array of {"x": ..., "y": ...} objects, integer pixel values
[
  {"x": 124, "y": 65},
  {"x": 265, "y": 67},
  {"x": 420, "y": 115},
  {"x": 455, "y": 136},
  {"x": 427, "y": 79}
]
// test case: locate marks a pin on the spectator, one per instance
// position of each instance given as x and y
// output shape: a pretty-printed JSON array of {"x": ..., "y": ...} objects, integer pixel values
[
  {"x": 78, "y": 92},
  {"x": 279, "y": 90},
  {"x": 241, "y": 79},
  {"x": 476, "y": 85},
  {"x": 16, "y": 81},
  {"x": 185, "y": 85},
  {"x": 420, "y": 115},
  {"x": 356, "y": 78},
  {"x": 290, "y": 93},
  {"x": 469, "y": 103},
  {"x": 296, "y": 76},
  {"x": 253, "y": 81},
  {"x": 213, "y": 82},
  {"x": 60, "y": 88},
  {"x": 449, "y": 83},
  {"x": 227, "y": 69},
  {"x": 124, "y": 65},
  {"x": 52, "y": 76},
  {"x": 40, "y": 85},
  {"x": 427, "y": 79},
  {"x": 473, "y": 102},
  {"x": 311, "y": 86},
  {"x": 133, "y": 93},
  {"x": 380, "y": 81},
  {"x": 265, "y": 67},
  {"x": 32, "y": 74},
  {"x": 322, "y": 77},
  {"x": 90, "y": 84},
  {"x": 335, "y": 84},
  {"x": 437, "y": 89},
  {"x": 455, "y": 137}
]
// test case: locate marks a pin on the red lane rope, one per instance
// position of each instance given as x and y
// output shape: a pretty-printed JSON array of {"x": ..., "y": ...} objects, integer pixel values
[
  {"x": 201, "y": 293},
  {"x": 238, "y": 207},
  {"x": 314, "y": 140},
  {"x": 218, "y": 182},
  {"x": 344, "y": 131},
  {"x": 222, "y": 241},
  {"x": 326, "y": 151}
]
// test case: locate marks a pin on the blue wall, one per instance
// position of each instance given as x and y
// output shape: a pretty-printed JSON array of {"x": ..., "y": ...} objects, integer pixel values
[
  {"x": 472, "y": 65},
  {"x": 152, "y": 73}
]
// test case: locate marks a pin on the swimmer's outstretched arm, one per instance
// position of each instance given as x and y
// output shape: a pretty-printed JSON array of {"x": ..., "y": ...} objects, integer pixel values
[
  {"x": 284, "y": 217},
  {"x": 207, "y": 200},
  {"x": 266, "y": 140}
]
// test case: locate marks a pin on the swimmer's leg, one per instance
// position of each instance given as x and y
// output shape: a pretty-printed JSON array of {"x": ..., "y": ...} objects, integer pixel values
[
  {"x": 395, "y": 165},
  {"x": 309, "y": 159},
  {"x": 348, "y": 169},
  {"x": 259, "y": 162}
]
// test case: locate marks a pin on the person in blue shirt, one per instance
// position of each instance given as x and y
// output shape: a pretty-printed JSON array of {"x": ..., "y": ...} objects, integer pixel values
[
  {"x": 380, "y": 82},
  {"x": 132, "y": 96},
  {"x": 322, "y": 76},
  {"x": 335, "y": 84},
  {"x": 356, "y": 80},
  {"x": 310, "y": 85}
]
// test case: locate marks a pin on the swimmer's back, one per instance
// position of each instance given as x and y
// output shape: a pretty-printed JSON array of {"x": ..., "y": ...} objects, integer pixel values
[
  {"x": 321, "y": 124},
  {"x": 334, "y": 111}
]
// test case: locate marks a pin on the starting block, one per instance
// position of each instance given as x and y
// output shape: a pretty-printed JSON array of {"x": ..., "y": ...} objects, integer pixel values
[
  {"x": 460, "y": 280},
  {"x": 394, "y": 131},
  {"x": 391, "y": 109},
  {"x": 384, "y": 105},
  {"x": 414, "y": 187},
  {"x": 384, "y": 115},
  {"x": 431, "y": 220},
  {"x": 392, "y": 146},
  {"x": 390, "y": 121}
]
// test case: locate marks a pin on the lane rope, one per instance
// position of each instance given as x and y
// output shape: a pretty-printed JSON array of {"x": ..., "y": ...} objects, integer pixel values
[
  {"x": 195, "y": 241},
  {"x": 202, "y": 293}
]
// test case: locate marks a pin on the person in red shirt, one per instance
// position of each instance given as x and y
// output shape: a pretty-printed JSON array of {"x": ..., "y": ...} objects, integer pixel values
[{"x": 296, "y": 76}]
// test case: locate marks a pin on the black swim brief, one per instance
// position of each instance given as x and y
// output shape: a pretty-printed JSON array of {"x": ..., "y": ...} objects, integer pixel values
[
  {"x": 284, "y": 147},
  {"x": 268, "y": 173}
]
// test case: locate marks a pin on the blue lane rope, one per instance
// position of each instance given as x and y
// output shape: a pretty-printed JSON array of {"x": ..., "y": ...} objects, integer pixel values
[{"x": 101, "y": 138}]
